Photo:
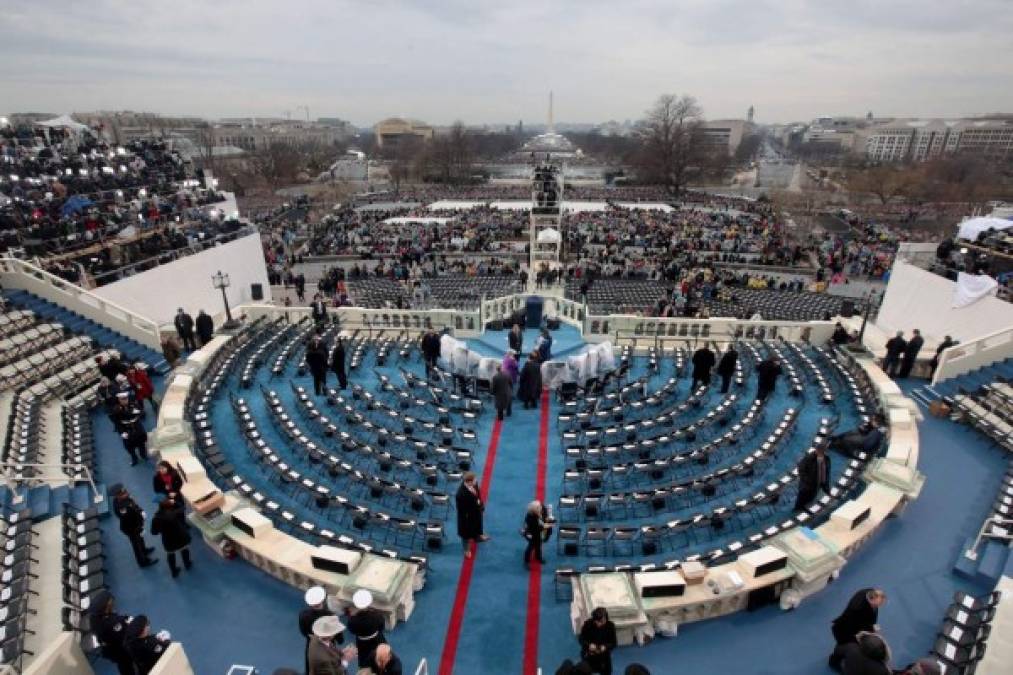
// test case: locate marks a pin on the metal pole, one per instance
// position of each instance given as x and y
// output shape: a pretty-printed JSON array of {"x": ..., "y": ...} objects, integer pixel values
[{"x": 865, "y": 316}]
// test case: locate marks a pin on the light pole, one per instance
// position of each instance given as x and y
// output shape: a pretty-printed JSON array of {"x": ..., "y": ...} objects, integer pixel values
[{"x": 222, "y": 281}]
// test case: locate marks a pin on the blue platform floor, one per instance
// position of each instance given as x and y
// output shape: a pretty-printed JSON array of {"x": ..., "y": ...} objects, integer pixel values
[{"x": 227, "y": 612}]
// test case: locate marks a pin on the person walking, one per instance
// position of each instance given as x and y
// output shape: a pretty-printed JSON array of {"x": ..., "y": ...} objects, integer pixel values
[
  {"x": 510, "y": 366},
  {"x": 597, "y": 640},
  {"x": 943, "y": 346},
  {"x": 170, "y": 523},
  {"x": 470, "y": 513},
  {"x": 205, "y": 328},
  {"x": 144, "y": 390},
  {"x": 430, "y": 350},
  {"x": 502, "y": 392},
  {"x": 703, "y": 361},
  {"x": 534, "y": 532},
  {"x": 766, "y": 376},
  {"x": 316, "y": 360},
  {"x": 127, "y": 420},
  {"x": 319, "y": 310},
  {"x": 895, "y": 346},
  {"x": 184, "y": 328},
  {"x": 726, "y": 367},
  {"x": 338, "y": 363},
  {"x": 914, "y": 346},
  {"x": 529, "y": 388},
  {"x": 131, "y": 519}
]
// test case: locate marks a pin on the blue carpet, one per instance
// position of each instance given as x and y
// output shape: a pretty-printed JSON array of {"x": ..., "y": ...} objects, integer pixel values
[{"x": 911, "y": 558}]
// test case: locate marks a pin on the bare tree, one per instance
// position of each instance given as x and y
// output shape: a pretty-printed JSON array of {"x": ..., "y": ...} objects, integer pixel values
[
  {"x": 451, "y": 155},
  {"x": 670, "y": 140},
  {"x": 885, "y": 182},
  {"x": 206, "y": 145},
  {"x": 276, "y": 164}
]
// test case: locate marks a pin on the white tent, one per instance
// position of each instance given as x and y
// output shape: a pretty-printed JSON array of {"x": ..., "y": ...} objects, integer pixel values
[
  {"x": 62, "y": 122},
  {"x": 549, "y": 236},
  {"x": 972, "y": 227}
]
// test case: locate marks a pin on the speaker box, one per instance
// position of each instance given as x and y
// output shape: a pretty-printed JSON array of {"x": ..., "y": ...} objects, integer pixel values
[
  {"x": 332, "y": 559},
  {"x": 570, "y": 548},
  {"x": 660, "y": 584},
  {"x": 764, "y": 561},
  {"x": 848, "y": 309},
  {"x": 256, "y": 292}
]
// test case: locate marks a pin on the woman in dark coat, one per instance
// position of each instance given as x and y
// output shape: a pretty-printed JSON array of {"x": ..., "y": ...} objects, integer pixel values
[
  {"x": 530, "y": 387},
  {"x": 338, "y": 363},
  {"x": 469, "y": 513},
  {"x": 502, "y": 392},
  {"x": 534, "y": 532},
  {"x": 726, "y": 367},
  {"x": 170, "y": 522},
  {"x": 166, "y": 480}
]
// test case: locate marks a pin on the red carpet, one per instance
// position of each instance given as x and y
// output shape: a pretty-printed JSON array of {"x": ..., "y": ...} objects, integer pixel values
[
  {"x": 468, "y": 565},
  {"x": 535, "y": 575}
]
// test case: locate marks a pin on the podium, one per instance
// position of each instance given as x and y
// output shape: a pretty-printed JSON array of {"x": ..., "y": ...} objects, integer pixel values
[{"x": 533, "y": 309}]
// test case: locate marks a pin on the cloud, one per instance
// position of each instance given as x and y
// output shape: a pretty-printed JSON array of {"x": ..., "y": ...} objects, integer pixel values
[{"x": 442, "y": 60}]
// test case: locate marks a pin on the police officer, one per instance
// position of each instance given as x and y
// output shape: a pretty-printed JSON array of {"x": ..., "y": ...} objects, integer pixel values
[
  {"x": 367, "y": 625},
  {"x": 144, "y": 648},
  {"x": 127, "y": 420},
  {"x": 132, "y": 524},
  {"x": 111, "y": 630}
]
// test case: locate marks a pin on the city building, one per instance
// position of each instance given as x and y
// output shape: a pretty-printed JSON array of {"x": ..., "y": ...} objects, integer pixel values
[
  {"x": 394, "y": 130},
  {"x": 725, "y": 134},
  {"x": 922, "y": 139},
  {"x": 253, "y": 135}
]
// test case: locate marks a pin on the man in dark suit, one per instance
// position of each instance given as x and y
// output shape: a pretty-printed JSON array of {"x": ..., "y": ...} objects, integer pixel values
[
  {"x": 895, "y": 346},
  {"x": 430, "y": 349},
  {"x": 597, "y": 640},
  {"x": 502, "y": 392},
  {"x": 316, "y": 361},
  {"x": 338, "y": 363},
  {"x": 726, "y": 367},
  {"x": 861, "y": 615},
  {"x": 529, "y": 386},
  {"x": 205, "y": 328},
  {"x": 319, "y": 310},
  {"x": 184, "y": 326},
  {"x": 766, "y": 377},
  {"x": 813, "y": 475},
  {"x": 703, "y": 361},
  {"x": 516, "y": 339},
  {"x": 914, "y": 346}
]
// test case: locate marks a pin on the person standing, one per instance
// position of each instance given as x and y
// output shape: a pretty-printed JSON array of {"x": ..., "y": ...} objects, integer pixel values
[
  {"x": 597, "y": 640},
  {"x": 895, "y": 346},
  {"x": 205, "y": 328},
  {"x": 515, "y": 339},
  {"x": 184, "y": 327},
  {"x": 111, "y": 632},
  {"x": 813, "y": 475},
  {"x": 338, "y": 363},
  {"x": 703, "y": 361},
  {"x": 840, "y": 336},
  {"x": 316, "y": 598},
  {"x": 529, "y": 388},
  {"x": 144, "y": 390},
  {"x": 510, "y": 366},
  {"x": 319, "y": 310},
  {"x": 324, "y": 655},
  {"x": 131, "y": 519},
  {"x": 166, "y": 481},
  {"x": 367, "y": 625},
  {"x": 127, "y": 420},
  {"x": 943, "y": 346},
  {"x": 502, "y": 392},
  {"x": 170, "y": 522},
  {"x": 726, "y": 367},
  {"x": 544, "y": 346},
  {"x": 430, "y": 350},
  {"x": 144, "y": 648},
  {"x": 534, "y": 532},
  {"x": 171, "y": 350},
  {"x": 300, "y": 287},
  {"x": 470, "y": 513},
  {"x": 385, "y": 662},
  {"x": 914, "y": 346},
  {"x": 860, "y": 615},
  {"x": 316, "y": 360},
  {"x": 766, "y": 376}
]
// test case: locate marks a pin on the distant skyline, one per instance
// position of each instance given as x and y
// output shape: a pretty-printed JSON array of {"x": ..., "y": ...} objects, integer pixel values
[{"x": 445, "y": 60}]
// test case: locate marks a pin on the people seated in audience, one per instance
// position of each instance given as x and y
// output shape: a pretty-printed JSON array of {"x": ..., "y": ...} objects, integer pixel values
[
  {"x": 866, "y": 438},
  {"x": 597, "y": 640}
]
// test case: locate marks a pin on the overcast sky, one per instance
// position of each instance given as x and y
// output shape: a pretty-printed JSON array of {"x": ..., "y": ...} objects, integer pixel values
[{"x": 441, "y": 60}]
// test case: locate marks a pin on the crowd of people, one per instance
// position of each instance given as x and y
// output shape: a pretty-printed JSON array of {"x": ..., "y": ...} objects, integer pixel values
[{"x": 82, "y": 202}]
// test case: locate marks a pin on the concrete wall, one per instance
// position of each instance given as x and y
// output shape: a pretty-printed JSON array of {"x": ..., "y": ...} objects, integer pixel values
[{"x": 186, "y": 283}]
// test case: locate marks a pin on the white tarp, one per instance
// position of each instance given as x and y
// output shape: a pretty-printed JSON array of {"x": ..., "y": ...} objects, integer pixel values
[
  {"x": 972, "y": 227},
  {"x": 404, "y": 220},
  {"x": 62, "y": 122},
  {"x": 549, "y": 235},
  {"x": 970, "y": 288},
  {"x": 580, "y": 368},
  {"x": 555, "y": 373},
  {"x": 486, "y": 368}
]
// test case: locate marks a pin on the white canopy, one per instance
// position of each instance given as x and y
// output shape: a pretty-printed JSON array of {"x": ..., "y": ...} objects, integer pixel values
[
  {"x": 972, "y": 227},
  {"x": 549, "y": 235},
  {"x": 404, "y": 220},
  {"x": 62, "y": 122}
]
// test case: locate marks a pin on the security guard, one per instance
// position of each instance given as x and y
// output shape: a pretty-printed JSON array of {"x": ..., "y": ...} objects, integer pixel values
[
  {"x": 367, "y": 625},
  {"x": 131, "y": 519},
  {"x": 127, "y": 420},
  {"x": 111, "y": 630},
  {"x": 144, "y": 648}
]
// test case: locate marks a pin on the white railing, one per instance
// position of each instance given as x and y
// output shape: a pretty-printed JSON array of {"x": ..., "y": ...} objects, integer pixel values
[
  {"x": 11, "y": 470},
  {"x": 21, "y": 275},
  {"x": 972, "y": 552},
  {"x": 968, "y": 356},
  {"x": 665, "y": 331},
  {"x": 423, "y": 668},
  {"x": 462, "y": 324}
]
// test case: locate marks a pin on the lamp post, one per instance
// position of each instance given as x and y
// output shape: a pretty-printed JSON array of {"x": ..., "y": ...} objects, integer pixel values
[{"x": 222, "y": 281}]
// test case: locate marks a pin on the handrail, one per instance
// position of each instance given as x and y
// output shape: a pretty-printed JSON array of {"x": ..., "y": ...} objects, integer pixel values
[
  {"x": 13, "y": 480},
  {"x": 953, "y": 355},
  {"x": 972, "y": 552},
  {"x": 147, "y": 331},
  {"x": 423, "y": 668}
]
